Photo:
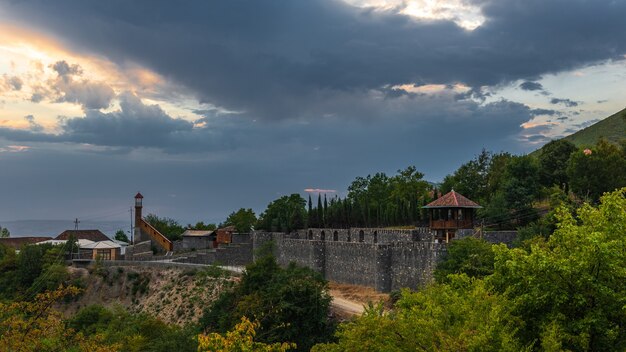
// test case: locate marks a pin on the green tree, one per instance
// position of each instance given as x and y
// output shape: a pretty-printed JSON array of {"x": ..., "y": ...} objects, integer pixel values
[
  {"x": 285, "y": 214},
  {"x": 569, "y": 290},
  {"x": 243, "y": 220},
  {"x": 290, "y": 304},
  {"x": 553, "y": 159},
  {"x": 513, "y": 202},
  {"x": 4, "y": 232},
  {"x": 469, "y": 256},
  {"x": 168, "y": 227},
  {"x": 600, "y": 169},
  {"x": 461, "y": 316},
  {"x": 471, "y": 179},
  {"x": 120, "y": 235},
  {"x": 201, "y": 226}
]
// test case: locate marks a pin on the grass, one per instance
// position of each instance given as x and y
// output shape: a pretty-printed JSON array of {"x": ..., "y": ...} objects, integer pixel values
[{"x": 613, "y": 128}]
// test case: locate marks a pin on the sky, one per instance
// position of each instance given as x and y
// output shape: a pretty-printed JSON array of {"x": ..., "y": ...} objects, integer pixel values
[{"x": 206, "y": 107}]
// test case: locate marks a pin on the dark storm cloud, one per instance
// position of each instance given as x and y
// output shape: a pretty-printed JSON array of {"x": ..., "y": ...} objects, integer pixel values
[
  {"x": 255, "y": 163},
  {"x": 137, "y": 125},
  {"x": 284, "y": 59},
  {"x": 531, "y": 86},
  {"x": 549, "y": 112},
  {"x": 32, "y": 124},
  {"x": 567, "y": 102}
]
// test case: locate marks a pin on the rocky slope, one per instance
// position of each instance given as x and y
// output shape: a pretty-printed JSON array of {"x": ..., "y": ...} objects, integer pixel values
[{"x": 175, "y": 295}]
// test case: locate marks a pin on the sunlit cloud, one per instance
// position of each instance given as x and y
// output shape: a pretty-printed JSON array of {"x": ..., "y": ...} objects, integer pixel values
[
  {"x": 432, "y": 88},
  {"x": 14, "y": 148},
  {"x": 31, "y": 83},
  {"x": 461, "y": 12},
  {"x": 319, "y": 190}
]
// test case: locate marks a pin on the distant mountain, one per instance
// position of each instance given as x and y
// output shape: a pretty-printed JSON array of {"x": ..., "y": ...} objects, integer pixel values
[
  {"x": 613, "y": 128},
  {"x": 52, "y": 228}
]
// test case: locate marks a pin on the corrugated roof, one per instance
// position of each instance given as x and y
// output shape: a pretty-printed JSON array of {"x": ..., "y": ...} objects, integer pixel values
[
  {"x": 452, "y": 200},
  {"x": 197, "y": 233},
  {"x": 93, "y": 235},
  {"x": 81, "y": 242},
  {"x": 101, "y": 245}
]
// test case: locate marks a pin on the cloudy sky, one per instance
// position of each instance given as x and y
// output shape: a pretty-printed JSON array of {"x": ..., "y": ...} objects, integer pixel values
[{"x": 209, "y": 106}]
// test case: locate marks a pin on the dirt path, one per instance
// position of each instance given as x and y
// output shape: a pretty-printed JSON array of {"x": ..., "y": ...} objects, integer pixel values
[{"x": 346, "y": 307}]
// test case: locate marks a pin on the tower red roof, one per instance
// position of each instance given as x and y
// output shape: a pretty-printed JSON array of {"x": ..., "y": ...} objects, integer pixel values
[
  {"x": 452, "y": 200},
  {"x": 138, "y": 195}
]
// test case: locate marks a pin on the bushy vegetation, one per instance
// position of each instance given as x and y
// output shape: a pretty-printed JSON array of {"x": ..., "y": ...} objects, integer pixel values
[
  {"x": 133, "y": 332},
  {"x": 35, "y": 269},
  {"x": 290, "y": 305},
  {"x": 563, "y": 293}
]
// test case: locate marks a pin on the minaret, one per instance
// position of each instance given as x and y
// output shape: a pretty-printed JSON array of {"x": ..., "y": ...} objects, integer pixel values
[{"x": 138, "y": 207}]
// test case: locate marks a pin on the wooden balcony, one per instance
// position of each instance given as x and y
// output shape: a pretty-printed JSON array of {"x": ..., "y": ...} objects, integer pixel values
[{"x": 451, "y": 224}]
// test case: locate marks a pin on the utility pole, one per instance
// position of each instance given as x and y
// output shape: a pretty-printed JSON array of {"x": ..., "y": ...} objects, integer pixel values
[{"x": 131, "y": 226}]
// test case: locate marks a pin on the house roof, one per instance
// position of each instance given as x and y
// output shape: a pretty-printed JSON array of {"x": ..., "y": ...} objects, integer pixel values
[
  {"x": 101, "y": 245},
  {"x": 230, "y": 228},
  {"x": 18, "y": 242},
  {"x": 452, "y": 200},
  {"x": 197, "y": 233},
  {"x": 93, "y": 235},
  {"x": 81, "y": 242}
]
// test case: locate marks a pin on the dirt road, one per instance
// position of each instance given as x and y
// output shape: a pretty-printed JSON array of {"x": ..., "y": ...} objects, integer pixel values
[{"x": 346, "y": 307}]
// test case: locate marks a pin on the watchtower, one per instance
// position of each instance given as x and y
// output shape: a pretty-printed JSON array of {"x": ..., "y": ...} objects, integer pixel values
[{"x": 450, "y": 213}]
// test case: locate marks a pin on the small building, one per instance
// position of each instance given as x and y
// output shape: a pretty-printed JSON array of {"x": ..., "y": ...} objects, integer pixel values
[
  {"x": 92, "y": 235},
  {"x": 450, "y": 213},
  {"x": 199, "y": 239},
  {"x": 225, "y": 234},
  {"x": 104, "y": 250}
]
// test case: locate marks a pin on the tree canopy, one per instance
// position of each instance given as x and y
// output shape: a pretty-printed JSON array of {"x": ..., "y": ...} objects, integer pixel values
[
  {"x": 244, "y": 220},
  {"x": 290, "y": 305},
  {"x": 168, "y": 227}
]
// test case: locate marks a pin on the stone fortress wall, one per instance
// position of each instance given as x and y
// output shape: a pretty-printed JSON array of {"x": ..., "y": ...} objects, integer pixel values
[
  {"x": 384, "y": 259},
  {"x": 380, "y": 258}
]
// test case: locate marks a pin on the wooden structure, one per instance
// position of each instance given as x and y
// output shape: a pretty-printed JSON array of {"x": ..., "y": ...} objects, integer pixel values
[
  {"x": 450, "y": 213},
  {"x": 225, "y": 234}
]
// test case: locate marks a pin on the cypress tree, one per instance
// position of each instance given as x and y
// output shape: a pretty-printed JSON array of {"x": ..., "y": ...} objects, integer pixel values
[
  {"x": 325, "y": 211},
  {"x": 310, "y": 213},
  {"x": 320, "y": 210}
]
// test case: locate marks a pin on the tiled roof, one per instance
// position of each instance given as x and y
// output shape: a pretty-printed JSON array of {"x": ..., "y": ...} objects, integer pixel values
[
  {"x": 452, "y": 200},
  {"x": 18, "y": 242},
  {"x": 93, "y": 235}
]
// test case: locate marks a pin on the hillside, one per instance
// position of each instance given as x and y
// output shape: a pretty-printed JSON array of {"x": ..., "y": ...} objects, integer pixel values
[
  {"x": 612, "y": 128},
  {"x": 174, "y": 295}
]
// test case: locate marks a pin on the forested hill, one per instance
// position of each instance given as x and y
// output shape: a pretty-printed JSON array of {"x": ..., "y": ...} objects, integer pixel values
[{"x": 613, "y": 128}]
